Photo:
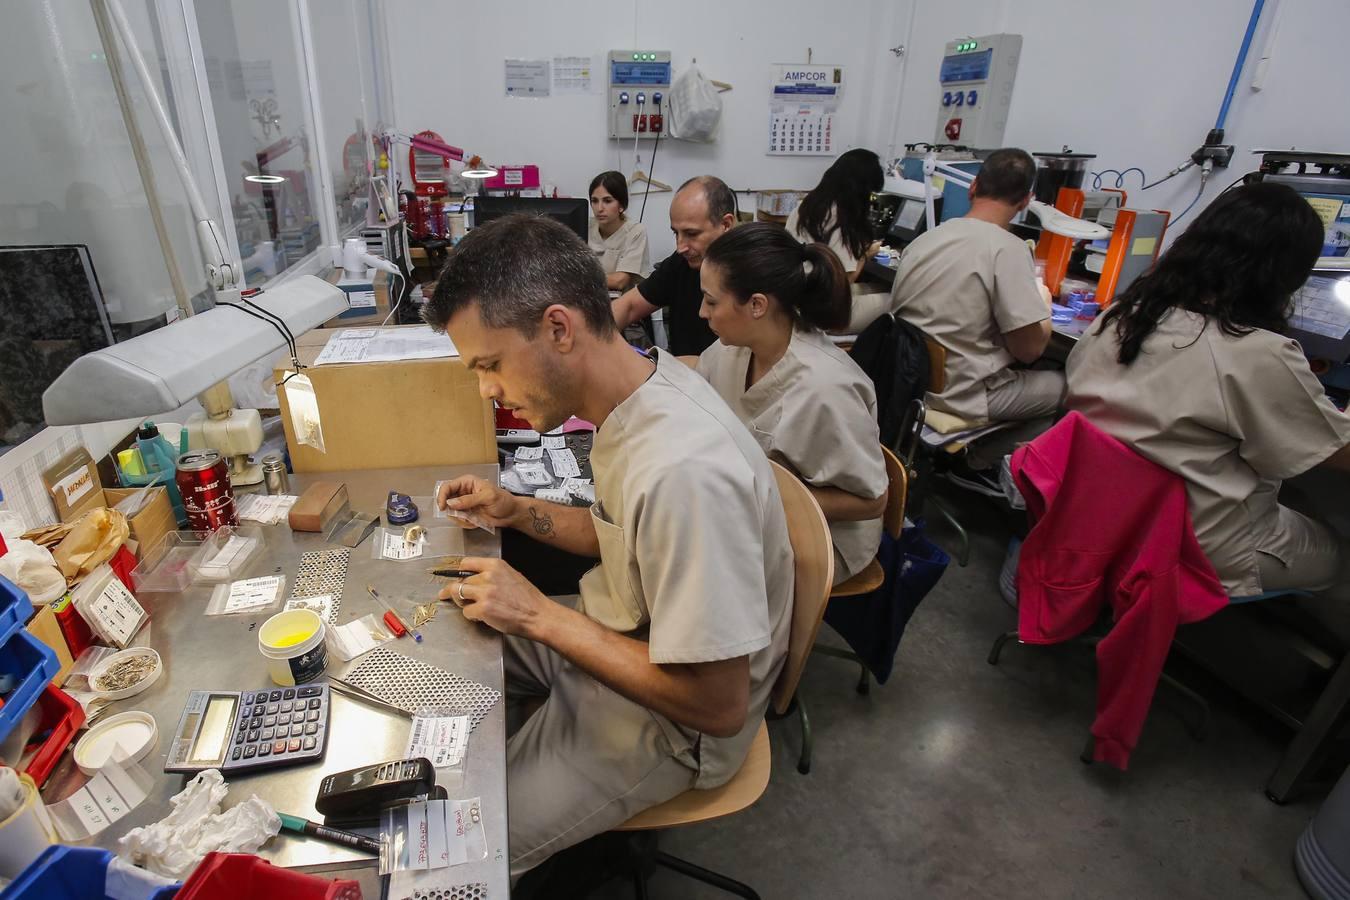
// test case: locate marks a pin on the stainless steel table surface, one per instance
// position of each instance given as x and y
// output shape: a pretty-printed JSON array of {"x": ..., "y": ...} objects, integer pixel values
[{"x": 203, "y": 652}]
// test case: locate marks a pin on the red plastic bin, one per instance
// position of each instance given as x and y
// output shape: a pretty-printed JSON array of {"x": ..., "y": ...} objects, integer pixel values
[
  {"x": 228, "y": 876},
  {"x": 61, "y": 716}
]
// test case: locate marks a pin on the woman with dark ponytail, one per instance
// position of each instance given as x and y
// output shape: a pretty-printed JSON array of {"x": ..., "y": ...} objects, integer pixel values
[
  {"x": 1190, "y": 368},
  {"x": 769, "y": 300}
]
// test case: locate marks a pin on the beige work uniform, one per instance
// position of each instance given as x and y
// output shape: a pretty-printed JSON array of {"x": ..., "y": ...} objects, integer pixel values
[
  {"x": 1233, "y": 415},
  {"x": 869, "y": 298},
  {"x": 695, "y": 561},
  {"x": 815, "y": 412},
  {"x": 965, "y": 284},
  {"x": 623, "y": 251}
]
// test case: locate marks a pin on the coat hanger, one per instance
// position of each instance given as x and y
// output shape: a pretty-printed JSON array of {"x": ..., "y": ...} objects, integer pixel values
[{"x": 639, "y": 177}]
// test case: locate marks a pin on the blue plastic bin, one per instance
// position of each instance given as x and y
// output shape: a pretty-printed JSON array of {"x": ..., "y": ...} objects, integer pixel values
[
  {"x": 15, "y": 609},
  {"x": 69, "y": 873},
  {"x": 34, "y": 663}
]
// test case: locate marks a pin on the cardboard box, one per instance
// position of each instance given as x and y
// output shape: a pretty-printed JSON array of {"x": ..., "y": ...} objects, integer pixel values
[
  {"x": 423, "y": 412},
  {"x": 74, "y": 484},
  {"x": 359, "y": 292},
  {"x": 45, "y": 628},
  {"x": 153, "y": 521}
]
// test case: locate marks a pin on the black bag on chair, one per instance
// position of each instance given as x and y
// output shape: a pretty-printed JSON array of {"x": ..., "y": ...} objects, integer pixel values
[
  {"x": 873, "y": 624},
  {"x": 893, "y": 354}
]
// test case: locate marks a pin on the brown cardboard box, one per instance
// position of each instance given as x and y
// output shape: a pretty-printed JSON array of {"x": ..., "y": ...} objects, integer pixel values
[
  {"x": 423, "y": 412},
  {"x": 45, "y": 628},
  {"x": 358, "y": 317},
  {"x": 153, "y": 521},
  {"x": 74, "y": 484}
]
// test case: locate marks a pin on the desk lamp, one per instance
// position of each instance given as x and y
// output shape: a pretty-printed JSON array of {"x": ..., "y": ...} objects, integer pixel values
[{"x": 160, "y": 371}]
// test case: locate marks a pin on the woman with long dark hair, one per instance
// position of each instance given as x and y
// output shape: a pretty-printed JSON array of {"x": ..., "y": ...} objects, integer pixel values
[
  {"x": 811, "y": 408},
  {"x": 1190, "y": 368},
  {"x": 834, "y": 213},
  {"x": 619, "y": 242}
]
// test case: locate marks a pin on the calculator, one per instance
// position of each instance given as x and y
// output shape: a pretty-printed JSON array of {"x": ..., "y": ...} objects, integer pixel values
[{"x": 245, "y": 731}]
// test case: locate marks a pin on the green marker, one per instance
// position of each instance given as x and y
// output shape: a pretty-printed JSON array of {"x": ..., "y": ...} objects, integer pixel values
[{"x": 331, "y": 835}]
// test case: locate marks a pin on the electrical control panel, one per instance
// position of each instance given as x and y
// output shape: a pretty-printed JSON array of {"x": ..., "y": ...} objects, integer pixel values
[
  {"x": 975, "y": 90},
  {"x": 639, "y": 93}
]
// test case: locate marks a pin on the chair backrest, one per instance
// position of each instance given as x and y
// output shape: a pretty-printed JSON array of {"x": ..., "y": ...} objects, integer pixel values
[
  {"x": 897, "y": 478},
  {"x": 937, "y": 365},
  {"x": 813, "y": 577}
]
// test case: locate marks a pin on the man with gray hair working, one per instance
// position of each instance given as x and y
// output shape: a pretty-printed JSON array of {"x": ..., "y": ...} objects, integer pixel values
[{"x": 703, "y": 209}]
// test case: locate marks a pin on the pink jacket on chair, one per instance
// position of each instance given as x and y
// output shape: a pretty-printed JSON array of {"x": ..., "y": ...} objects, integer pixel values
[{"x": 1109, "y": 527}]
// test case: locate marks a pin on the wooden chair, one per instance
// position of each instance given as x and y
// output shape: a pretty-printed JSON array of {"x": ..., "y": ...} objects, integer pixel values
[
  {"x": 812, "y": 576},
  {"x": 872, "y": 576}
]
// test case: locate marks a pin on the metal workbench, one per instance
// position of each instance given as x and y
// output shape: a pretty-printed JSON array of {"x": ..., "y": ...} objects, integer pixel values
[{"x": 202, "y": 653}]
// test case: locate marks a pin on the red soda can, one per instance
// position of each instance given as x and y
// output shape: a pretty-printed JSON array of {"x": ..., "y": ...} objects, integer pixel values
[{"x": 203, "y": 479}]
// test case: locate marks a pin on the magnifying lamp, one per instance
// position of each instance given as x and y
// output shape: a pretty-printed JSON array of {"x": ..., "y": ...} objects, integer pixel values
[{"x": 1052, "y": 220}]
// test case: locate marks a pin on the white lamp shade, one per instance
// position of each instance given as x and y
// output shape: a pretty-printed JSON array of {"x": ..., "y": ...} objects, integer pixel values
[{"x": 160, "y": 371}]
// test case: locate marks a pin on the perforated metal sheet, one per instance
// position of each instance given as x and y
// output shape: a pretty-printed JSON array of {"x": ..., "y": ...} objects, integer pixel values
[
  {"x": 475, "y": 891},
  {"x": 322, "y": 572},
  {"x": 410, "y": 684}
]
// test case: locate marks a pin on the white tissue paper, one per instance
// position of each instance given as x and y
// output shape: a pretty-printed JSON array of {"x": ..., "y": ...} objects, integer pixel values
[
  {"x": 175, "y": 844},
  {"x": 12, "y": 525},
  {"x": 33, "y": 568}
]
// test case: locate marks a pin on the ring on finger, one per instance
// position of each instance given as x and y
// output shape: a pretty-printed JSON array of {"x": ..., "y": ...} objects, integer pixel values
[{"x": 460, "y": 592}]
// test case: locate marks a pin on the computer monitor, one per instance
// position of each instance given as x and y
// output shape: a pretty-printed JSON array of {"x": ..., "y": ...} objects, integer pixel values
[
  {"x": 572, "y": 212},
  {"x": 1320, "y": 319},
  {"x": 910, "y": 219}
]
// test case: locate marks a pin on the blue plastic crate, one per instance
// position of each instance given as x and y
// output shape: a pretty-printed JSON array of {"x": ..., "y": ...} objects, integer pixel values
[
  {"x": 15, "y": 609},
  {"x": 34, "y": 664},
  {"x": 69, "y": 873}
]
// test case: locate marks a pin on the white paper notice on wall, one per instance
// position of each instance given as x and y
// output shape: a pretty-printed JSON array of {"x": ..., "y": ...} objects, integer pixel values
[
  {"x": 527, "y": 77},
  {"x": 803, "y": 103},
  {"x": 572, "y": 75}
]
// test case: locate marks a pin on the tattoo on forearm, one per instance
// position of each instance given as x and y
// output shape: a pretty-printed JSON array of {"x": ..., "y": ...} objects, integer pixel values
[{"x": 542, "y": 523}]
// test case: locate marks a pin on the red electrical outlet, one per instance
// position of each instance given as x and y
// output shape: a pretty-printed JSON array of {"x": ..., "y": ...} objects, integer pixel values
[{"x": 655, "y": 122}]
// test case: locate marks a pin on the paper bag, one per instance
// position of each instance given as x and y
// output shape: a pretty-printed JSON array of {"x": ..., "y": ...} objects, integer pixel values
[{"x": 92, "y": 542}]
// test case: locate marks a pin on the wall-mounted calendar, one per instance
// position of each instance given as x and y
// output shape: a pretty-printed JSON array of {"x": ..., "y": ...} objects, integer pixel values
[{"x": 803, "y": 103}]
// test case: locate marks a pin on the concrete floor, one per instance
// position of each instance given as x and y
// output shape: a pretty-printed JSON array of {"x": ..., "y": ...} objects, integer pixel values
[{"x": 960, "y": 779}]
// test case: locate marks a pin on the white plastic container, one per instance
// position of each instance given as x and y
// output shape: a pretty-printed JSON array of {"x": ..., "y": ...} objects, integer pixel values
[{"x": 293, "y": 643}]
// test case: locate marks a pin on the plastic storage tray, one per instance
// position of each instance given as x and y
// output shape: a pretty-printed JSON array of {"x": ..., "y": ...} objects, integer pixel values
[
  {"x": 226, "y": 553},
  {"x": 15, "y": 609},
  {"x": 167, "y": 566},
  {"x": 62, "y": 717},
  {"x": 34, "y": 664},
  {"x": 69, "y": 873},
  {"x": 226, "y": 876}
]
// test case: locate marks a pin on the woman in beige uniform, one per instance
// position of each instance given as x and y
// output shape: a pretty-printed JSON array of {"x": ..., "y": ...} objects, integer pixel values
[
  {"x": 619, "y": 242},
  {"x": 1190, "y": 368},
  {"x": 808, "y": 405}
]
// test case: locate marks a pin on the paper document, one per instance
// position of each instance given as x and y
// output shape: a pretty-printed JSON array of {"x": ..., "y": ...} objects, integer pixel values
[
  {"x": 269, "y": 509},
  {"x": 363, "y": 345},
  {"x": 440, "y": 738}
]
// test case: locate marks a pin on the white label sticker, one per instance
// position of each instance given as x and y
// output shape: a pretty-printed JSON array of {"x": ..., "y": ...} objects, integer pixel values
[
  {"x": 116, "y": 613},
  {"x": 564, "y": 463},
  {"x": 361, "y": 299},
  {"x": 75, "y": 485},
  {"x": 553, "y": 441},
  {"x": 441, "y": 739},
  {"x": 395, "y": 547},
  {"x": 533, "y": 473},
  {"x": 529, "y": 454},
  {"x": 252, "y": 592}
]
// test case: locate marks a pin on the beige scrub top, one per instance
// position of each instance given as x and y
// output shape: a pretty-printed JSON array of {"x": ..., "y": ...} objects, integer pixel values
[
  {"x": 694, "y": 551},
  {"x": 835, "y": 243},
  {"x": 965, "y": 284},
  {"x": 623, "y": 251},
  {"x": 1231, "y": 414},
  {"x": 815, "y": 412}
]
